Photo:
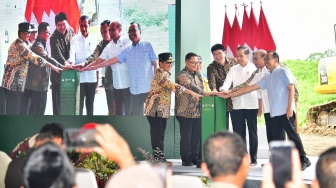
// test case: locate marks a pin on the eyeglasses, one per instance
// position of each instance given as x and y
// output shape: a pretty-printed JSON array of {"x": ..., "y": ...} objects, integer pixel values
[
  {"x": 27, "y": 33},
  {"x": 193, "y": 63},
  {"x": 169, "y": 63},
  {"x": 132, "y": 30}
]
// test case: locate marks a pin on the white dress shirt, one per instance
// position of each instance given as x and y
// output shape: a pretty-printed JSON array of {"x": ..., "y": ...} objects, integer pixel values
[
  {"x": 121, "y": 79},
  {"x": 263, "y": 92},
  {"x": 80, "y": 49},
  {"x": 236, "y": 76}
]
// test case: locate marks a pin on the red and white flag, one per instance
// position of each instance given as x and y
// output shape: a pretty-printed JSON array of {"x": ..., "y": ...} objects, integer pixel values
[
  {"x": 226, "y": 32},
  {"x": 264, "y": 39},
  {"x": 252, "y": 34},
  {"x": 244, "y": 29},
  {"x": 38, "y": 11},
  {"x": 234, "y": 38},
  {"x": 252, "y": 31}
]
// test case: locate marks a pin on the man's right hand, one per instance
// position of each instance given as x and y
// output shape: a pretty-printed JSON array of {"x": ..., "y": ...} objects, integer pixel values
[
  {"x": 67, "y": 66},
  {"x": 196, "y": 95},
  {"x": 56, "y": 69},
  {"x": 89, "y": 68},
  {"x": 79, "y": 66}
]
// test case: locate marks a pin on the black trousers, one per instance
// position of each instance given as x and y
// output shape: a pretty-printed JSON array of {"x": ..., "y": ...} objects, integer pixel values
[
  {"x": 269, "y": 127},
  {"x": 239, "y": 126},
  {"x": 122, "y": 101},
  {"x": 227, "y": 120},
  {"x": 13, "y": 101},
  {"x": 87, "y": 93},
  {"x": 137, "y": 104},
  {"x": 190, "y": 131},
  {"x": 111, "y": 105},
  {"x": 56, "y": 98},
  {"x": 34, "y": 102},
  {"x": 157, "y": 131},
  {"x": 281, "y": 125}
]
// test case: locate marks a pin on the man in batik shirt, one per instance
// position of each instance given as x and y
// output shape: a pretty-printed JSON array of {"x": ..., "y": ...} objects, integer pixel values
[
  {"x": 217, "y": 72},
  {"x": 157, "y": 105}
]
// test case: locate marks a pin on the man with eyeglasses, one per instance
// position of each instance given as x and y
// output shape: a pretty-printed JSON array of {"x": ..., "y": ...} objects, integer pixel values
[
  {"x": 188, "y": 111},
  {"x": 280, "y": 89},
  {"x": 59, "y": 47},
  {"x": 157, "y": 106},
  {"x": 15, "y": 73},
  {"x": 142, "y": 63},
  {"x": 38, "y": 78},
  {"x": 33, "y": 33}
]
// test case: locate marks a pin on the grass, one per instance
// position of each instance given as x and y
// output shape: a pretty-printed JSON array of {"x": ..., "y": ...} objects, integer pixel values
[{"x": 306, "y": 74}]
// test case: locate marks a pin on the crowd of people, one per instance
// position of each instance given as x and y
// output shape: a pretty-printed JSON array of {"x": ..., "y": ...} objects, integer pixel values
[
  {"x": 137, "y": 82},
  {"x": 226, "y": 162}
]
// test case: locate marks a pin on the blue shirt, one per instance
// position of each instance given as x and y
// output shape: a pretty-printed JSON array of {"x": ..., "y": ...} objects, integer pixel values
[
  {"x": 139, "y": 59},
  {"x": 276, "y": 84}
]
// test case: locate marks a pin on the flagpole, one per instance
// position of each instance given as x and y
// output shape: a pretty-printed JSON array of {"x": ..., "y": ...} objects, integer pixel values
[{"x": 236, "y": 9}]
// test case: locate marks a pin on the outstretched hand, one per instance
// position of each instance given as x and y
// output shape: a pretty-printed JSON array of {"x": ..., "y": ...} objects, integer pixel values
[
  {"x": 78, "y": 66},
  {"x": 56, "y": 69},
  {"x": 223, "y": 95},
  {"x": 89, "y": 68}
]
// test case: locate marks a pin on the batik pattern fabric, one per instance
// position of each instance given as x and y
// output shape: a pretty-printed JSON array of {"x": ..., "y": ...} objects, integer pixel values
[
  {"x": 16, "y": 68},
  {"x": 216, "y": 74},
  {"x": 186, "y": 105},
  {"x": 247, "y": 82},
  {"x": 60, "y": 50},
  {"x": 158, "y": 101},
  {"x": 38, "y": 78}
]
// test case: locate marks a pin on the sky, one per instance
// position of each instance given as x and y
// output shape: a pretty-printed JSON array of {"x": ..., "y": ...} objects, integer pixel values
[{"x": 299, "y": 28}]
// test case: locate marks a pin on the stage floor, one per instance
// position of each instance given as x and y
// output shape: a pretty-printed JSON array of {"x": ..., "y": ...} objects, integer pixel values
[{"x": 254, "y": 177}]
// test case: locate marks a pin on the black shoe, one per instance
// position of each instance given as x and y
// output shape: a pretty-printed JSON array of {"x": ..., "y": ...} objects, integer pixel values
[
  {"x": 306, "y": 164},
  {"x": 187, "y": 163},
  {"x": 196, "y": 161}
]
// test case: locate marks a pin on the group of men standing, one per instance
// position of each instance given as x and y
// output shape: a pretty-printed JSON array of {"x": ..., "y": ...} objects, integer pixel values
[
  {"x": 26, "y": 84},
  {"x": 268, "y": 87},
  {"x": 130, "y": 66}
]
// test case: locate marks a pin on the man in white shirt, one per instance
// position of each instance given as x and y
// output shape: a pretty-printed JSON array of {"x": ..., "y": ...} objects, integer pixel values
[
  {"x": 120, "y": 73},
  {"x": 259, "y": 62},
  {"x": 81, "y": 47},
  {"x": 245, "y": 107}
]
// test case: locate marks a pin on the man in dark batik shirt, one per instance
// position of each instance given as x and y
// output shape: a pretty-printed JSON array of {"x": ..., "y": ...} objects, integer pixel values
[
  {"x": 60, "y": 47},
  {"x": 38, "y": 78},
  {"x": 217, "y": 72}
]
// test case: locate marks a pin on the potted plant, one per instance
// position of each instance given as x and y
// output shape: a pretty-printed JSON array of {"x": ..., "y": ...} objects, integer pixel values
[{"x": 99, "y": 165}]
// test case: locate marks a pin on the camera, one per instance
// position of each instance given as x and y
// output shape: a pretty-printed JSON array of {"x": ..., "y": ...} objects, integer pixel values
[{"x": 78, "y": 138}]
